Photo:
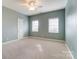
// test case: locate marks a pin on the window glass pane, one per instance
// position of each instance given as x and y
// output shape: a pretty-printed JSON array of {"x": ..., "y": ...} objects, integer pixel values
[
  {"x": 35, "y": 26},
  {"x": 53, "y": 25}
]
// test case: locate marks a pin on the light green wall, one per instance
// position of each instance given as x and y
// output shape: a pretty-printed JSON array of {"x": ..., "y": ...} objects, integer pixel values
[
  {"x": 71, "y": 26},
  {"x": 43, "y": 24},
  {"x": 10, "y": 24}
]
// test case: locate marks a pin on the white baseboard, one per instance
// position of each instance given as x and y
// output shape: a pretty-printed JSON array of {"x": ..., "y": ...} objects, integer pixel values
[
  {"x": 69, "y": 51},
  {"x": 41, "y": 38},
  {"x": 31, "y": 37},
  {"x": 12, "y": 41},
  {"x": 9, "y": 41}
]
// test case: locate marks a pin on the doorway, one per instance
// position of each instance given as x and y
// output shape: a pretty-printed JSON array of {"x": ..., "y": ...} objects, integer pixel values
[{"x": 20, "y": 28}]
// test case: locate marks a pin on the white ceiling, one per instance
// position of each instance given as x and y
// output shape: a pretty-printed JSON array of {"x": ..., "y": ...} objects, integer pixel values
[{"x": 47, "y": 5}]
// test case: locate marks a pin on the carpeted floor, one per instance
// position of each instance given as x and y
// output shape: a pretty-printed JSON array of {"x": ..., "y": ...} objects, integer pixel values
[{"x": 31, "y": 48}]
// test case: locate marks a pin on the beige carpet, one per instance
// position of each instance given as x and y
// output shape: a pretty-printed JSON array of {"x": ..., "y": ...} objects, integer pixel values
[{"x": 31, "y": 48}]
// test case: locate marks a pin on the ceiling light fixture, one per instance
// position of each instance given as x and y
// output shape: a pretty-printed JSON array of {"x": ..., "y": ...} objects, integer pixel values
[{"x": 31, "y": 4}]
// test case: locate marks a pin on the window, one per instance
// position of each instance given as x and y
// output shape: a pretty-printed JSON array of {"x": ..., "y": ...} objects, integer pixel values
[
  {"x": 53, "y": 25},
  {"x": 35, "y": 26}
]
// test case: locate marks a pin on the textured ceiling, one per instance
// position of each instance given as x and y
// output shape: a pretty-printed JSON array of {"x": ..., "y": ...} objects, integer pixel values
[{"x": 46, "y": 6}]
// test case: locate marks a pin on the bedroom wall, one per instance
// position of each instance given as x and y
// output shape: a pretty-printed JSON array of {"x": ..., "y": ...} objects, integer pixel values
[
  {"x": 10, "y": 24},
  {"x": 71, "y": 26},
  {"x": 43, "y": 24}
]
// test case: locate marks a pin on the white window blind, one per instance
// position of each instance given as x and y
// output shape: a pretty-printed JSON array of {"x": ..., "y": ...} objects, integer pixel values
[
  {"x": 53, "y": 25},
  {"x": 35, "y": 26}
]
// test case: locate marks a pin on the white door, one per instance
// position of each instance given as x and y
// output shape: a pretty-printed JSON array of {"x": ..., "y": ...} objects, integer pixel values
[{"x": 20, "y": 28}]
